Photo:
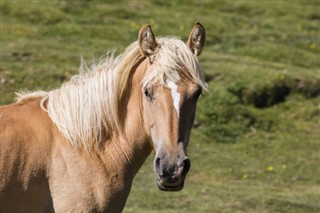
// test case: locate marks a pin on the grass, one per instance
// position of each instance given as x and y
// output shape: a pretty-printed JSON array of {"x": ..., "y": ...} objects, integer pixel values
[{"x": 255, "y": 146}]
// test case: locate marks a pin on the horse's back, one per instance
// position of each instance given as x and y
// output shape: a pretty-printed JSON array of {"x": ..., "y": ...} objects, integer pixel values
[{"x": 24, "y": 149}]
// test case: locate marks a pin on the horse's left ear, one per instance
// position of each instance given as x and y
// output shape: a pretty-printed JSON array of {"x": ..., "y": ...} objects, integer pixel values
[
  {"x": 197, "y": 38},
  {"x": 147, "y": 41}
]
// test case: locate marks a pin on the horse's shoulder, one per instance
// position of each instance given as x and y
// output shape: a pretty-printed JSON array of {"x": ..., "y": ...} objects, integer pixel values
[{"x": 25, "y": 137}]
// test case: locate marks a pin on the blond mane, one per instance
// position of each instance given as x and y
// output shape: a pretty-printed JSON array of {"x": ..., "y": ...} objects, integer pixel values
[{"x": 86, "y": 108}]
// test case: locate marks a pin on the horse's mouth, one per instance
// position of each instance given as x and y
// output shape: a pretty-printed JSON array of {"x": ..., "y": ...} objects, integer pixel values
[{"x": 170, "y": 187}]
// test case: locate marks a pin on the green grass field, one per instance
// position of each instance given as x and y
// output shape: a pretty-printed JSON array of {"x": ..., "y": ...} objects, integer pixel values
[{"x": 255, "y": 146}]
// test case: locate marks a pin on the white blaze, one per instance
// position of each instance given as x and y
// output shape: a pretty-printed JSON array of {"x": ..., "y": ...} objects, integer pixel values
[{"x": 175, "y": 95}]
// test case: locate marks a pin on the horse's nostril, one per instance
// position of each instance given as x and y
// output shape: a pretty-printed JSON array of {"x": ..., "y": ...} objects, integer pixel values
[
  {"x": 157, "y": 165},
  {"x": 157, "y": 162},
  {"x": 186, "y": 166}
]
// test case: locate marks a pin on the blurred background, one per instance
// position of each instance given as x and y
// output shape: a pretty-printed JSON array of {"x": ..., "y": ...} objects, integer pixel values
[{"x": 255, "y": 146}]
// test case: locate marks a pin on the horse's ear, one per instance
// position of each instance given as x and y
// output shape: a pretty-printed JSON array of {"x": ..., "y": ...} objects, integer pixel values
[
  {"x": 197, "y": 39},
  {"x": 147, "y": 41}
]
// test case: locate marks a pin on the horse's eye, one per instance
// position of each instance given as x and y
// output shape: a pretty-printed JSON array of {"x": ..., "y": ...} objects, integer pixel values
[{"x": 148, "y": 93}]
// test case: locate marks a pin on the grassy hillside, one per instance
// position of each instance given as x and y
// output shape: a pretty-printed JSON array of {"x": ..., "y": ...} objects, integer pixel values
[{"x": 255, "y": 146}]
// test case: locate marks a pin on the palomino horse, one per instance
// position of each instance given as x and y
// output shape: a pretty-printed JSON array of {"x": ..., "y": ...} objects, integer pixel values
[{"x": 78, "y": 148}]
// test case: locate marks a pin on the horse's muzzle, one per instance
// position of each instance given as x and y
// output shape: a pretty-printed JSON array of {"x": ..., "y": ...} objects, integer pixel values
[{"x": 170, "y": 177}]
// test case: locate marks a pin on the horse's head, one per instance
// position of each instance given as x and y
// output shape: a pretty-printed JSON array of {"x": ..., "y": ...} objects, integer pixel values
[{"x": 170, "y": 90}]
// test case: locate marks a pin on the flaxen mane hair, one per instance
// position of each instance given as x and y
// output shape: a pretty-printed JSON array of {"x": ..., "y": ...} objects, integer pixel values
[{"x": 86, "y": 108}]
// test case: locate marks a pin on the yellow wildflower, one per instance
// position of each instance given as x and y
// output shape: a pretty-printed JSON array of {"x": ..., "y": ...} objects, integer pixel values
[
  {"x": 313, "y": 46},
  {"x": 270, "y": 168}
]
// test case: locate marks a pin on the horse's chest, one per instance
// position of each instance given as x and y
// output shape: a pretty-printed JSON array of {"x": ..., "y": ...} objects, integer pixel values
[{"x": 88, "y": 188}]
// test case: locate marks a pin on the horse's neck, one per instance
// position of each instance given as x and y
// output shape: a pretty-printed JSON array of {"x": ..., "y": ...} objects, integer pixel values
[{"x": 134, "y": 145}]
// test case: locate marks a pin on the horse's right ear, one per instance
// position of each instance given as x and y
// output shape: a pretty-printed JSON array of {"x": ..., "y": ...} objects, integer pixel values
[{"x": 147, "y": 41}]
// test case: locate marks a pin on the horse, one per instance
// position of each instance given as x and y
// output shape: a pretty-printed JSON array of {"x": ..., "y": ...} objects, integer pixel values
[{"x": 78, "y": 147}]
